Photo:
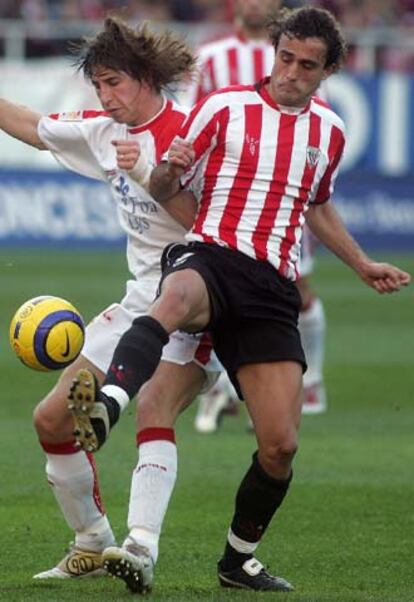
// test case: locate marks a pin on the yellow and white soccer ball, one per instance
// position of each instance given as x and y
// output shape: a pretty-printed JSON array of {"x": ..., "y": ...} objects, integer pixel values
[{"x": 47, "y": 333}]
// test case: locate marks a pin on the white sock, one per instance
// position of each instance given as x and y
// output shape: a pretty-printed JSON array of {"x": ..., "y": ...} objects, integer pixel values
[
  {"x": 75, "y": 486},
  {"x": 152, "y": 484},
  {"x": 312, "y": 326},
  {"x": 242, "y": 546},
  {"x": 120, "y": 396}
]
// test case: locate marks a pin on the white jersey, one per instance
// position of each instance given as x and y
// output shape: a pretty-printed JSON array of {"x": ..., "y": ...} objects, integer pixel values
[
  {"x": 81, "y": 141},
  {"x": 258, "y": 168}
]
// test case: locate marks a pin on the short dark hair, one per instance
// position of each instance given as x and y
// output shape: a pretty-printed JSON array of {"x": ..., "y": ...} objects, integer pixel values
[
  {"x": 310, "y": 22},
  {"x": 158, "y": 58}
]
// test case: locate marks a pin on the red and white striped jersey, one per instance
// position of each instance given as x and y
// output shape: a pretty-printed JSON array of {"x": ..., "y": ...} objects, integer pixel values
[
  {"x": 82, "y": 142},
  {"x": 230, "y": 61},
  {"x": 257, "y": 169}
]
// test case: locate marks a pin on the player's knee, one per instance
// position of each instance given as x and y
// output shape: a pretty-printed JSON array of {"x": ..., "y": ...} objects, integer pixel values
[
  {"x": 177, "y": 302},
  {"x": 278, "y": 454}
]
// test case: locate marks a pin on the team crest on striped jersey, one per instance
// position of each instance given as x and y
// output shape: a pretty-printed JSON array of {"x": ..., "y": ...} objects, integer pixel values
[
  {"x": 312, "y": 156},
  {"x": 252, "y": 144}
]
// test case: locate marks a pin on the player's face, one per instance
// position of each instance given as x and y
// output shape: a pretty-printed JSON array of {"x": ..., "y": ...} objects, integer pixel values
[
  {"x": 298, "y": 70},
  {"x": 120, "y": 95},
  {"x": 252, "y": 14}
]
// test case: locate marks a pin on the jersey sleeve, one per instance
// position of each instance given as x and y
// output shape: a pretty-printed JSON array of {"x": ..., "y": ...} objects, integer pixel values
[
  {"x": 335, "y": 153},
  {"x": 202, "y": 128},
  {"x": 68, "y": 142}
]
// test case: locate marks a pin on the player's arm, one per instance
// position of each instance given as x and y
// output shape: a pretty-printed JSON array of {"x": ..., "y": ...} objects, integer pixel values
[
  {"x": 326, "y": 224},
  {"x": 182, "y": 207},
  {"x": 21, "y": 123},
  {"x": 165, "y": 178}
]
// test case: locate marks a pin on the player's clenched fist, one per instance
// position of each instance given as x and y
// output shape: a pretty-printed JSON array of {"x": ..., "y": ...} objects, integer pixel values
[
  {"x": 181, "y": 155},
  {"x": 127, "y": 153},
  {"x": 130, "y": 158}
]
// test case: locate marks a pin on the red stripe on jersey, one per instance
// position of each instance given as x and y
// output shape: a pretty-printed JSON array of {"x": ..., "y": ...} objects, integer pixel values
[
  {"x": 258, "y": 64},
  {"x": 314, "y": 139},
  {"x": 215, "y": 161},
  {"x": 155, "y": 434},
  {"x": 77, "y": 115},
  {"x": 246, "y": 172},
  {"x": 277, "y": 187},
  {"x": 335, "y": 150},
  {"x": 204, "y": 349},
  {"x": 233, "y": 61}
]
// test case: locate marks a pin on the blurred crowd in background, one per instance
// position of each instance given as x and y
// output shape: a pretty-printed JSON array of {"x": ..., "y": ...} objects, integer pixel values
[
  {"x": 352, "y": 13},
  {"x": 355, "y": 15}
]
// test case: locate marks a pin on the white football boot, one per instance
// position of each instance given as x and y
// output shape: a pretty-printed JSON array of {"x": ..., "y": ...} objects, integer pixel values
[{"x": 77, "y": 563}]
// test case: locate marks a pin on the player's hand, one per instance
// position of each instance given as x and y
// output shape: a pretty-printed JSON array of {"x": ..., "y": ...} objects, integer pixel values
[
  {"x": 181, "y": 156},
  {"x": 383, "y": 277},
  {"x": 127, "y": 153}
]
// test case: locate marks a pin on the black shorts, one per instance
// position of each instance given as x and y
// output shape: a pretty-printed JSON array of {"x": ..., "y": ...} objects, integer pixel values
[{"x": 254, "y": 310}]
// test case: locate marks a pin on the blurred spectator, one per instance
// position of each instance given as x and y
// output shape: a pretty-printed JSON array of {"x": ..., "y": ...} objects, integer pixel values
[{"x": 354, "y": 15}]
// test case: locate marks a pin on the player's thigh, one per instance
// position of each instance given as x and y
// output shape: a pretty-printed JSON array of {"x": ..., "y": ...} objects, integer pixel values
[
  {"x": 54, "y": 404},
  {"x": 272, "y": 392},
  {"x": 171, "y": 389}
]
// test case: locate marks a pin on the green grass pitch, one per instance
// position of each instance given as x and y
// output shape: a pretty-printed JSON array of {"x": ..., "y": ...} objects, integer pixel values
[{"x": 346, "y": 530}]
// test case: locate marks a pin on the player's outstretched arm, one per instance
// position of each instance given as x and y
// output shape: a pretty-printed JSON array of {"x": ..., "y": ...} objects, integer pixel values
[
  {"x": 165, "y": 178},
  {"x": 21, "y": 123},
  {"x": 326, "y": 224}
]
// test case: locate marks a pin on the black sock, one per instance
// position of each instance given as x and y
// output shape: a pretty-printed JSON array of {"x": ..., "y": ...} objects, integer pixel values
[
  {"x": 232, "y": 558},
  {"x": 257, "y": 499},
  {"x": 137, "y": 355}
]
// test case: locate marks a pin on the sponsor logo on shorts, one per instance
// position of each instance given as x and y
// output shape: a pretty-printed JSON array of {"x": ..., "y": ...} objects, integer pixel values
[{"x": 182, "y": 259}]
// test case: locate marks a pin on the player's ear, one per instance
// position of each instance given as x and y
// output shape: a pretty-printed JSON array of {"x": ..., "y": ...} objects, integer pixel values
[{"x": 329, "y": 70}]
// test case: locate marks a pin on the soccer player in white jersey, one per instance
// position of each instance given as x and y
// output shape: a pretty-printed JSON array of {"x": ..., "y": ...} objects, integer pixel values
[
  {"x": 118, "y": 145},
  {"x": 245, "y": 57},
  {"x": 260, "y": 159}
]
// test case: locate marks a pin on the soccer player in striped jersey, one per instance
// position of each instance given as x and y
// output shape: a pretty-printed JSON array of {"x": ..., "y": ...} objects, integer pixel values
[
  {"x": 261, "y": 159},
  {"x": 245, "y": 57},
  {"x": 119, "y": 145}
]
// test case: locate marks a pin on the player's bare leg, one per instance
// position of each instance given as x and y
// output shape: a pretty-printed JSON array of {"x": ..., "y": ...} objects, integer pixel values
[{"x": 272, "y": 392}]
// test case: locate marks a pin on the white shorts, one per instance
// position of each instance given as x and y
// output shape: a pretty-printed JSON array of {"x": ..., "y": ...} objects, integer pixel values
[
  {"x": 105, "y": 330},
  {"x": 307, "y": 253}
]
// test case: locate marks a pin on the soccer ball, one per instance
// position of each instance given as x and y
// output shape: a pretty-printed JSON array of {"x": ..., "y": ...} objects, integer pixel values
[{"x": 47, "y": 333}]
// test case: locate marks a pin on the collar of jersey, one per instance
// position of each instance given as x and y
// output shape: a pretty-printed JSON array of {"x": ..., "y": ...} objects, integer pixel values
[
  {"x": 149, "y": 124},
  {"x": 260, "y": 87}
]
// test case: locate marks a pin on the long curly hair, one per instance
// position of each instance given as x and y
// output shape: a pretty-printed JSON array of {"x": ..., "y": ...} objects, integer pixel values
[
  {"x": 310, "y": 22},
  {"x": 158, "y": 58}
]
